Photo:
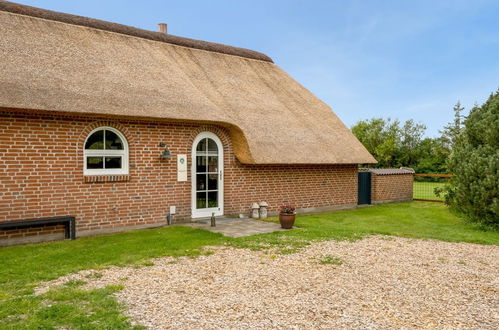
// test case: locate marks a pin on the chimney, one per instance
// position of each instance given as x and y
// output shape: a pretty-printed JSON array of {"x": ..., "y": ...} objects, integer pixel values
[{"x": 162, "y": 28}]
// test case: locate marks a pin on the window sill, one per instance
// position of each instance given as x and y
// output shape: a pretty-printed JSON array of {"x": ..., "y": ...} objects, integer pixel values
[{"x": 106, "y": 178}]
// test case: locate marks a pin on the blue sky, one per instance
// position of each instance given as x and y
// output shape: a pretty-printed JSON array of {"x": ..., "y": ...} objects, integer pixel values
[{"x": 398, "y": 59}]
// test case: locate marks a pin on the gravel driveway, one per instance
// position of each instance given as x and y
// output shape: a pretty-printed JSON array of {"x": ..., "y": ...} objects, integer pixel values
[{"x": 382, "y": 282}]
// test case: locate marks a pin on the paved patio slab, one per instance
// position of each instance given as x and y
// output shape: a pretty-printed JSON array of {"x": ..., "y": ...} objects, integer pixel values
[{"x": 238, "y": 227}]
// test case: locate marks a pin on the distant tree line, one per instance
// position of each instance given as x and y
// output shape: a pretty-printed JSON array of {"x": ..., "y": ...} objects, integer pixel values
[{"x": 396, "y": 144}]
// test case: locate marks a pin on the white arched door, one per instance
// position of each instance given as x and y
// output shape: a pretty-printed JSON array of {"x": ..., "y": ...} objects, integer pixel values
[{"x": 207, "y": 176}]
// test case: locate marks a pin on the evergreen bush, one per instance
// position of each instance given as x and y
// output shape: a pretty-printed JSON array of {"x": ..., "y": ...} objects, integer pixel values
[{"x": 474, "y": 161}]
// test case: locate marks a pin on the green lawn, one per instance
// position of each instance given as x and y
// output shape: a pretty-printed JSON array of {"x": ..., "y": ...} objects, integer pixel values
[
  {"x": 426, "y": 190},
  {"x": 23, "y": 267}
]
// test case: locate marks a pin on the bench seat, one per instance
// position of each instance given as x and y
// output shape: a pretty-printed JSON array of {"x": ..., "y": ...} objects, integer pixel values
[{"x": 69, "y": 223}]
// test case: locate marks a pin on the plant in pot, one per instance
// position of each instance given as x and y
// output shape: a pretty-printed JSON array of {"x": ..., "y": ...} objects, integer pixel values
[{"x": 287, "y": 216}]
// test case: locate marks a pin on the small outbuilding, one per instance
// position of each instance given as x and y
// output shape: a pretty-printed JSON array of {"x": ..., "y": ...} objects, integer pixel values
[{"x": 120, "y": 127}]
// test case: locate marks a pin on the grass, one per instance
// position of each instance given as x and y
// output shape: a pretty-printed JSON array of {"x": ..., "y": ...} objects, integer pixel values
[
  {"x": 66, "y": 307},
  {"x": 426, "y": 190},
  {"x": 425, "y": 220},
  {"x": 23, "y": 267},
  {"x": 70, "y": 306},
  {"x": 26, "y": 265},
  {"x": 331, "y": 260}
]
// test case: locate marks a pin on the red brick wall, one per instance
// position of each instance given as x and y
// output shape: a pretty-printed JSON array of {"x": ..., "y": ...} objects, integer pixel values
[
  {"x": 391, "y": 188},
  {"x": 41, "y": 174},
  {"x": 303, "y": 186}
]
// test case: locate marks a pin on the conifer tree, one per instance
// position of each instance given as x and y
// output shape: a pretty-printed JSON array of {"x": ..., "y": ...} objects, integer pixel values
[
  {"x": 474, "y": 161},
  {"x": 451, "y": 131}
]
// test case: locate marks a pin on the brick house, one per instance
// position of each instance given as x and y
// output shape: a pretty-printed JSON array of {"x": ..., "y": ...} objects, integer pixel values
[{"x": 114, "y": 125}]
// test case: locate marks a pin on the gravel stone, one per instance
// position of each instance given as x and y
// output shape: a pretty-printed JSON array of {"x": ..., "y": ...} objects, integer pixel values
[{"x": 383, "y": 282}]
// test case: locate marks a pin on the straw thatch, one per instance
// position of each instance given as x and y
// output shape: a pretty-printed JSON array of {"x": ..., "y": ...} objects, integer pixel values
[
  {"x": 55, "y": 66},
  {"x": 129, "y": 30}
]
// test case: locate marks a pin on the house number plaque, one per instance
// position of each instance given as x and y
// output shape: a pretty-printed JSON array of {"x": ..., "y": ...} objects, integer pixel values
[{"x": 181, "y": 167}]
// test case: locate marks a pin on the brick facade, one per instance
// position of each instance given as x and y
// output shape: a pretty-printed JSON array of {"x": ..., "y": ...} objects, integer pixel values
[
  {"x": 41, "y": 175},
  {"x": 391, "y": 188}
]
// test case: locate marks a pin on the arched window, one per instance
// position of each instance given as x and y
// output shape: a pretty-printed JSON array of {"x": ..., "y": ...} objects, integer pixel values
[{"x": 106, "y": 152}]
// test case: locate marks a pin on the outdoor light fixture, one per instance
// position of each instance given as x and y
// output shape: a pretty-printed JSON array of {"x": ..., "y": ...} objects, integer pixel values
[{"x": 166, "y": 153}]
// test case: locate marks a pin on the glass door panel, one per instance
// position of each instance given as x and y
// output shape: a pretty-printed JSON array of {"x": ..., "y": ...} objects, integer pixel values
[{"x": 207, "y": 177}]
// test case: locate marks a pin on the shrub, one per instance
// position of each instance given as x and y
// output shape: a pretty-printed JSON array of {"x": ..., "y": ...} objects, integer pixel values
[{"x": 474, "y": 161}]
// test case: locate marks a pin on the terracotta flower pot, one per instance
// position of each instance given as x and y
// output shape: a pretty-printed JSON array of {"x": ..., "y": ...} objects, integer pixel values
[{"x": 287, "y": 220}]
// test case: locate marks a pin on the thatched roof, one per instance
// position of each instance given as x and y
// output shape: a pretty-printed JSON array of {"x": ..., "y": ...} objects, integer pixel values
[
  {"x": 129, "y": 30},
  {"x": 51, "y": 64}
]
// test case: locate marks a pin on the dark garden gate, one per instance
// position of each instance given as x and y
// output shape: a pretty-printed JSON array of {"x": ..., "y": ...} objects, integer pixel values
[{"x": 364, "y": 188}]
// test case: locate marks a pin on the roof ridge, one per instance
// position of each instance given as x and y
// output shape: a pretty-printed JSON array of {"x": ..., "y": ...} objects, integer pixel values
[
  {"x": 390, "y": 171},
  {"x": 16, "y": 8}
]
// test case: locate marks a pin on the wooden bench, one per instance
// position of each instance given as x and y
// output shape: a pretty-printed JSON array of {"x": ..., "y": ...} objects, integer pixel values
[{"x": 68, "y": 222}]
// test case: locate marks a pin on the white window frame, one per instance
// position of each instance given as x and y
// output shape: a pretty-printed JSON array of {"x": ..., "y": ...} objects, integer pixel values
[{"x": 102, "y": 153}]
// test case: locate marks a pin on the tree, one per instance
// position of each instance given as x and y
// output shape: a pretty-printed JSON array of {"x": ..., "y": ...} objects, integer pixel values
[
  {"x": 452, "y": 130},
  {"x": 390, "y": 143},
  {"x": 432, "y": 157},
  {"x": 411, "y": 136},
  {"x": 474, "y": 161},
  {"x": 435, "y": 153},
  {"x": 380, "y": 137}
]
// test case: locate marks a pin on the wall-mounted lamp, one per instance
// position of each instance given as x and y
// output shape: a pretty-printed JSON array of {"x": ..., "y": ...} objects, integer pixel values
[{"x": 166, "y": 153}]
